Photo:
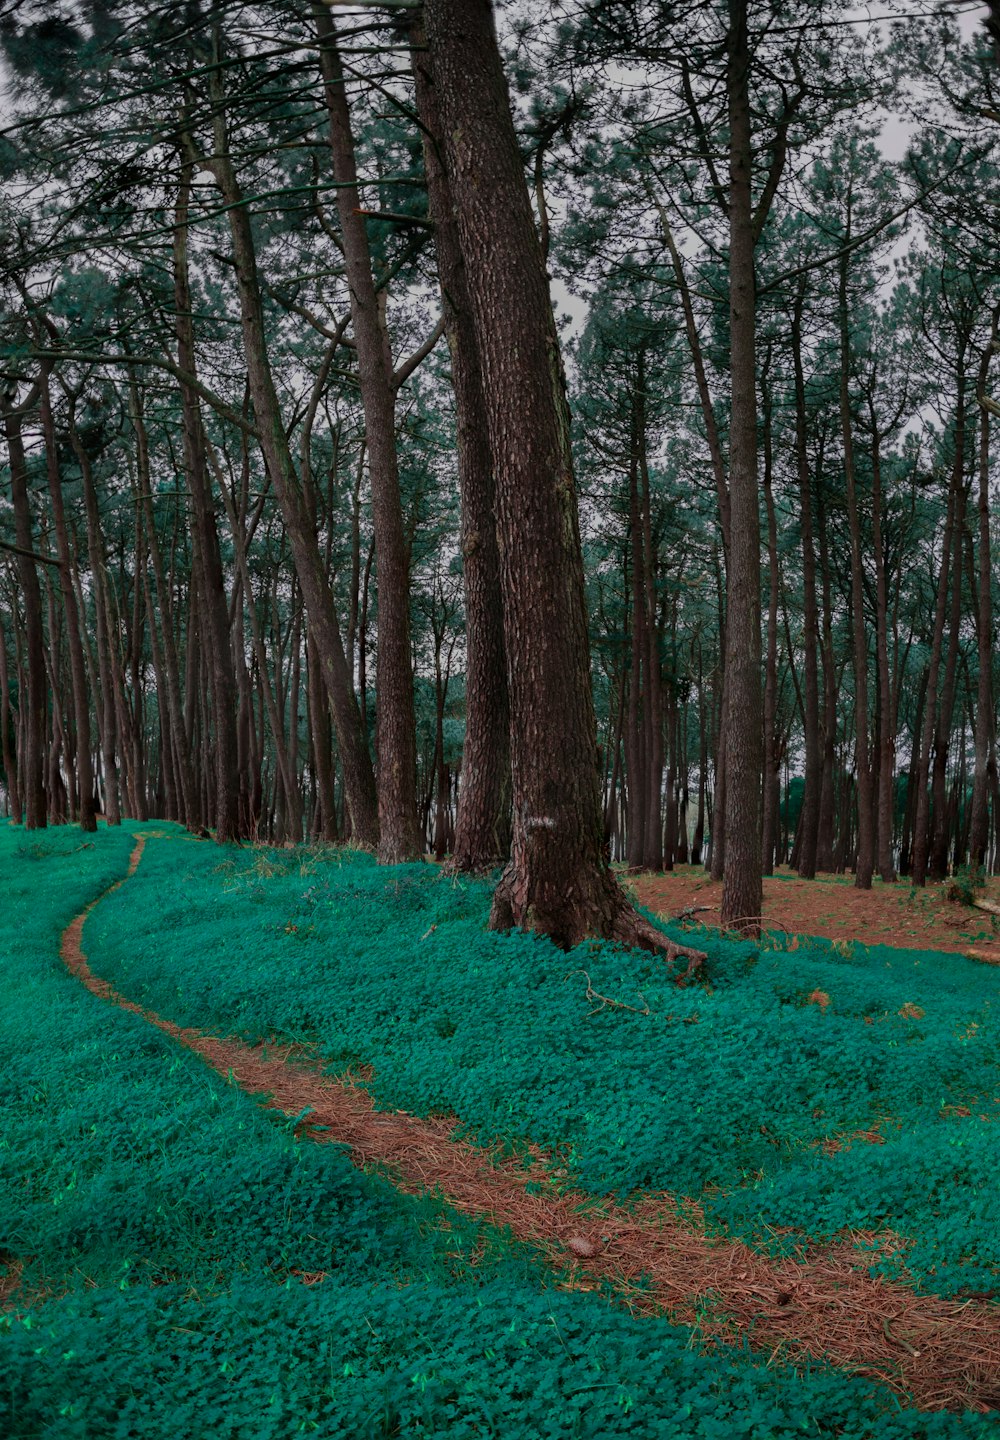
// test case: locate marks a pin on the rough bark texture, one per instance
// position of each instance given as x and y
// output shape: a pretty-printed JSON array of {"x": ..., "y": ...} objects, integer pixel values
[
  {"x": 742, "y": 892},
  {"x": 395, "y": 717},
  {"x": 483, "y": 823},
  {"x": 557, "y": 881}
]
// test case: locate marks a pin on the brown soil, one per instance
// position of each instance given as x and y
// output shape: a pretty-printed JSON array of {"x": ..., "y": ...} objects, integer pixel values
[
  {"x": 654, "y": 1256},
  {"x": 10, "y": 1279},
  {"x": 897, "y": 914}
]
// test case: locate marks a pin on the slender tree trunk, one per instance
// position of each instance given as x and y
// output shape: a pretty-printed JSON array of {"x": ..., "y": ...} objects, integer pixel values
[
  {"x": 652, "y": 852},
  {"x": 770, "y": 818},
  {"x": 918, "y": 862},
  {"x": 359, "y": 779},
  {"x": 866, "y": 802},
  {"x": 635, "y": 744},
  {"x": 106, "y": 701},
  {"x": 78, "y": 668},
  {"x": 809, "y": 822},
  {"x": 170, "y": 697},
  {"x": 482, "y": 827},
  {"x": 825, "y": 860},
  {"x": 33, "y": 764},
  {"x": 395, "y": 717},
  {"x": 8, "y": 728},
  {"x": 214, "y": 602},
  {"x": 985, "y": 724},
  {"x": 237, "y": 525},
  {"x": 938, "y": 856},
  {"x": 742, "y": 892},
  {"x": 887, "y": 714}
]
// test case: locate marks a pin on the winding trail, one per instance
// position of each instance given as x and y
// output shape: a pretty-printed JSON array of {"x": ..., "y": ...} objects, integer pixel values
[{"x": 655, "y": 1256}]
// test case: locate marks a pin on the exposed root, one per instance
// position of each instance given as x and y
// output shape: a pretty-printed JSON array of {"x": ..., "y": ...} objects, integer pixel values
[
  {"x": 635, "y": 931},
  {"x": 655, "y": 1256}
]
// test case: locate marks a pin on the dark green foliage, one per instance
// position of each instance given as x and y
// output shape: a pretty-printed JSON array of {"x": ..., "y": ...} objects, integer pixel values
[
  {"x": 263, "y": 1362},
  {"x": 171, "y": 1222}
]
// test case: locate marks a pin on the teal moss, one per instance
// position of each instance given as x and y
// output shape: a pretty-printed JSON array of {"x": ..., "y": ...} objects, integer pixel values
[
  {"x": 396, "y": 969},
  {"x": 172, "y": 1222}
]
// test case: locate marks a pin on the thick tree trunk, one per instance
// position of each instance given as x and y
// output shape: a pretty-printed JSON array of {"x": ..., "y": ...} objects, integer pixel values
[
  {"x": 742, "y": 892},
  {"x": 483, "y": 824},
  {"x": 558, "y": 880}
]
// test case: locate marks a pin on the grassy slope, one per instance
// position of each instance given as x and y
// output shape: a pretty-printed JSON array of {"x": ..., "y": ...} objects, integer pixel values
[{"x": 165, "y": 1214}]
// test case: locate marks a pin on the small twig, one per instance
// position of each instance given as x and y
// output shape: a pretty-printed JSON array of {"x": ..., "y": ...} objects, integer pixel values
[
  {"x": 898, "y": 1340},
  {"x": 605, "y": 1001}
]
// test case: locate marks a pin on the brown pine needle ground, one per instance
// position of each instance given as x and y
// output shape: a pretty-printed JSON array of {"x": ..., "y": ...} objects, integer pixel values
[{"x": 654, "y": 1256}]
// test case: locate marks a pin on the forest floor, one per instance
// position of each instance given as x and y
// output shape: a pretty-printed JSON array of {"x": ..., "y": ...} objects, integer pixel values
[
  {"x": 656, "y": 1257},
  {"x": 900, "y": 914},
  {"x": 574, "y": 1210}
]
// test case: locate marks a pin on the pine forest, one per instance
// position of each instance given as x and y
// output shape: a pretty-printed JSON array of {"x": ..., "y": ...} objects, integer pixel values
[{"x": 499, "y": 804}]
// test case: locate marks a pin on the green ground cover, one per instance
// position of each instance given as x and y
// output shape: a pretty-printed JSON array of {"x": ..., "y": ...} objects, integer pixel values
[
  {"x": 396, "y": 970},
  {"x": 164, "y": 1219}
]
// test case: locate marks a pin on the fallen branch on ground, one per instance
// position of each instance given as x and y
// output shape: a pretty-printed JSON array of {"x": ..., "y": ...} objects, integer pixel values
[
  {"x": 691, "y": 911},
  {"x": 982, "y": 957},
  {"x": 606, "y": 1002}
]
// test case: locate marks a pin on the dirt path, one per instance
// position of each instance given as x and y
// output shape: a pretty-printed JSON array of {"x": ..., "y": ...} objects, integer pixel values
[
  {"x": 656, "y": 1256},
  {"x": 919, "y": 919}
]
